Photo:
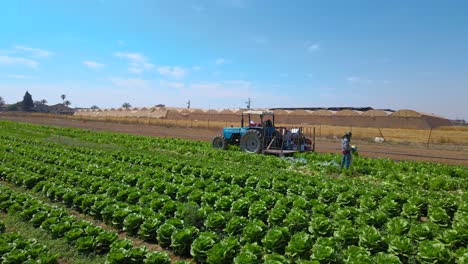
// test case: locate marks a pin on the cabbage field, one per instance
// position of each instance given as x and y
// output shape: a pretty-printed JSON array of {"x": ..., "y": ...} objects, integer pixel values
[{"x": 103, "y": 193}]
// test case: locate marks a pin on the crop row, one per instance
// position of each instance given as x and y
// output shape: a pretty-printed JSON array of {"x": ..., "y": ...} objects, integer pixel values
[
  {"x": 84, "y": 236},
  {"x": 15, "y": 248},
  {"x": 252, "y": 216}
]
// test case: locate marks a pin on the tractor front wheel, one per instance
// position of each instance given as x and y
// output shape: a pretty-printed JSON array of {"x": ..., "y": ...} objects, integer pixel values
[
  {"x": 251, "y": 142},
  {"x": 219, "y": 142}
]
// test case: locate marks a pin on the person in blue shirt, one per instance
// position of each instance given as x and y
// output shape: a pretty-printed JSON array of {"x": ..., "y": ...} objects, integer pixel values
[{"x": 346, "y": 150}]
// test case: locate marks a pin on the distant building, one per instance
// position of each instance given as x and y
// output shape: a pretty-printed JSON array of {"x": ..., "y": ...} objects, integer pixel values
[
  {"x": 54, "y": 109},
  {"x": 61, "y": 109},
  {"x": 4, "y": 107}
]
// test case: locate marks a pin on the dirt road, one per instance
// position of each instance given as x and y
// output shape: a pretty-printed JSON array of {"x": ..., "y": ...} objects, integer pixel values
[{"x": 396, "y": 152}]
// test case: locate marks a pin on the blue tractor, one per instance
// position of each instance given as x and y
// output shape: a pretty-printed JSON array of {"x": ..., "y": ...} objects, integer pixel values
[{"x": 263, "y": 137}]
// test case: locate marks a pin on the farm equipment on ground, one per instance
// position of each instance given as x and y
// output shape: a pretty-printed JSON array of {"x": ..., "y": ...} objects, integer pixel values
[{"x": 264, "y": 137}]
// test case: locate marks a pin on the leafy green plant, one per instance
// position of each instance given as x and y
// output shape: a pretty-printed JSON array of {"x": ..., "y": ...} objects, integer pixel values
[
  {"x": 223, "y": 252},
  {"x": 370, "y": 239},
  {"x": 400, "y": 246},
  {"x": 235, "y": 226},
  {"x": 345, "y": 233},
  {"x": 148, "y": 229},
  {"x": 157, "y": 258},
  {"x": 433, "y": 252},
  {"x": 181, "y": 240},
  {"x": 324, "y": 251},
  {"x": 299, "y": 246},
  {"x": 249, "y": 254},
  {"x": 201, "y": 245},
  {"x": 253, "y": 232},
  {"x": 356, "y": 255},
  {"x": 132, "y": 223},
  {"x": 296, "y": 220},
  {"x": 215, "y": 221},
  {"x": 258, "y": 210},
  {"x": 274, "y": 259},
  {"x": 164, "y": 234},
  {"x": 439, "y": 216},
  {"x": 85, "y": 244},
  {"x": 320, "y": 226},
  {"x": 397, "y": 226},
  {"x": 103, "y": 241},
  {"x": 276, "y": 240}
]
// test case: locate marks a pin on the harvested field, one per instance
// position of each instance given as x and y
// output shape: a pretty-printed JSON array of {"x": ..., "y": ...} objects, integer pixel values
[{"x": 446, "y": 153}]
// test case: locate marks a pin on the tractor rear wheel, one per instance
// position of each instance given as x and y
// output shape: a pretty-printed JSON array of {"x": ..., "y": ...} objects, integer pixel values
[
  {"x": 219, "y": 142},
  {"x": 251, "y": 142}
]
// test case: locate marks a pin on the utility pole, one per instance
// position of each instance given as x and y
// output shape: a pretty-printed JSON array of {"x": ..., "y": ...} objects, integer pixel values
[
  {"x": 248, "y": 103},
  {"x": 188, "y": 104}
]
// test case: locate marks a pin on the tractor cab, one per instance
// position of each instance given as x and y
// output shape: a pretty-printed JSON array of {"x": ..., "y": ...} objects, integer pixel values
[{"x": 258, "y": 134}]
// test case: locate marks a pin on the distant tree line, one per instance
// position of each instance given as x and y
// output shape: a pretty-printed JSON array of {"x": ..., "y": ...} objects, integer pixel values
[{"x": 29, "y": 105}]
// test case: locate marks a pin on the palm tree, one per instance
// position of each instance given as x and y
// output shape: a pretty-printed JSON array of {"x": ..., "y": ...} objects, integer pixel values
[
  {"x": 126, "y": 105},
  {"x": 43, "y": 101},
  {"x": 94, "y": 107},
  {"x": 63, "y": 98},
  {"x": 67, "y": 103}
]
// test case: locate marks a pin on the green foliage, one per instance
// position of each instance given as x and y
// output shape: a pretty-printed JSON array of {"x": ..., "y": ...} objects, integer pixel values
[
  {"x": 276, "y": 239},
  {"x": 249, "y": 254},
  {"x": 14, "y": 248},
  {"x": 254, "y": 232},
  {"x": 433, "y": 252},
  {"x": 182, "y": 240},
  {"x": 132, "y": 223},
  {"x": 157, "y": 258},
  {"x": 148, "y": 229},
  {"x": 201, "y": 245},
  {"x": 299, "y": 246},
  {"x": 263, "y": 209},
  {"x": 2, "y": 227},
  {"x": 324, "y": 251},
  {"x": 27, "y": 103},
  {"x": 223, "y": 252}
]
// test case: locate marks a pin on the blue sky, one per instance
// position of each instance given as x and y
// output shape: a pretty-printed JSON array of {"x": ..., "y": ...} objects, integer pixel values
[{"x": 217, "y": 53}]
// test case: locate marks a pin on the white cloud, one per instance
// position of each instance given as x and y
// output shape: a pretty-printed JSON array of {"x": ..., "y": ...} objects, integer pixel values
[
  {"x": 176, "y": 85},
  {"x": 19, "y": 76},
  {"x": 34, "y": 51},
  {"x": 130, "y": 82},
  {"x": 93, "y": 64},
  {"x": 121, "y": 42},
  {"x": 313, "y": 48},
  {"x": 196, "y": 68},
  {"x": 135, "y": 70},
  {"x": 174, "y": 72},
  {"x": 8, "y": 60},
  {"x": 220, "y": 61},
  {"x": 135, "y": 57},
  {"x": 137, "y": 62}
]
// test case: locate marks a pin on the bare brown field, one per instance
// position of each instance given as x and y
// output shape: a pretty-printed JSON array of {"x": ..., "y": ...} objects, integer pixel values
[
  {"x": 445, "y": 153},
  {"x": 456, "y": 135}
]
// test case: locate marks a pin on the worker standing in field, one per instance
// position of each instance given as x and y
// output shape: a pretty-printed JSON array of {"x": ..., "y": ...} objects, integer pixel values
[{"x": 346, "y": 150}]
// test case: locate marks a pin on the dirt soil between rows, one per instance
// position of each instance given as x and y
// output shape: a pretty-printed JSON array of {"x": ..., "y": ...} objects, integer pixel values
[{"x": 433, "y": 153}]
